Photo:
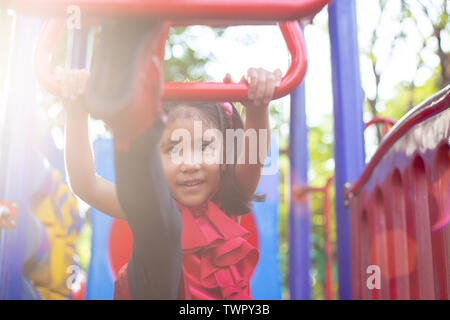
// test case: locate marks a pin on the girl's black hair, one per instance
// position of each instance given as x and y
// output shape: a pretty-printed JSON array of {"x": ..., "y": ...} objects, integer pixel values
[{"x": 229, "y": 197}]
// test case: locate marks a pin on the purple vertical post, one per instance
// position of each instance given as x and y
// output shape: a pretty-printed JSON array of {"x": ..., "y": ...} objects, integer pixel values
[
  {"x": 348, "y": 123},
  {"x": 299, "y": 215}
]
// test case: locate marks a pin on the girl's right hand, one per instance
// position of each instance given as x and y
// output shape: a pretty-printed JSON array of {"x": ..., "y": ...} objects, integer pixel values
[{"x": 73, "y": 83}]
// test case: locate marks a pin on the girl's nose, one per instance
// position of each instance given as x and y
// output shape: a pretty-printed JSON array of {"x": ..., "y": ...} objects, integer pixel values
[
  {"x": 190, "y": 166},
  {"x": 192, "y": 163}
]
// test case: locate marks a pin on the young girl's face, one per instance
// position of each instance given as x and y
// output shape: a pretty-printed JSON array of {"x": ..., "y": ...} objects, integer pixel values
[{"x": 191, "y": 179}]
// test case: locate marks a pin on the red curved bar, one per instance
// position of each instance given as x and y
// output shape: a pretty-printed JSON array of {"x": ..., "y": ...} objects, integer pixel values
[
  {"x": 273, "y": 10},
  {"x": 42, "y": 55},
  {"x": 386, "y": 123},
  {"x": 213, "y": 91},
  {"x": 183, "y": 91}
]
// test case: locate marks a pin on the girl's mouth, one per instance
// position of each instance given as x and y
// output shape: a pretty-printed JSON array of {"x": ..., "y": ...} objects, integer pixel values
[{"x": 192, "y": 185}]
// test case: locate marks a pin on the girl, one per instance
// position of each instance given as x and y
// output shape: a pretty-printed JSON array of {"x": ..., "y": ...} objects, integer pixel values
[{"x": 187, "y": 241}]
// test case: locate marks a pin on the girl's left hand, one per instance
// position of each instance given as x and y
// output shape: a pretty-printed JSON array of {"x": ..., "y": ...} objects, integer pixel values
[{"x": 262, "y": 85}]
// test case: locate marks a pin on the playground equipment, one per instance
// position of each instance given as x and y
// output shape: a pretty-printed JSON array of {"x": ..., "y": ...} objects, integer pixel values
[
  {"x": 200, "y": 10},
  {"x": 400, "y": 209},
  {"x": 403, "y": 242},
  {"x": 37, "y": 238},
  {"x": 229, "y": 91},
  {"x": 300, "y": 195}
]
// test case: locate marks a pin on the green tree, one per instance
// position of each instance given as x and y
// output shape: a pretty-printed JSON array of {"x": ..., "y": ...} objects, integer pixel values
[{"x": 428, "y": 21}]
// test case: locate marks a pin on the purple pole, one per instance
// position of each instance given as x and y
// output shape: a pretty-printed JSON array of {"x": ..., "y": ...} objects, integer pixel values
[
  {"x": 299, "y": 215},
  {"x": 348, "y": 123}
]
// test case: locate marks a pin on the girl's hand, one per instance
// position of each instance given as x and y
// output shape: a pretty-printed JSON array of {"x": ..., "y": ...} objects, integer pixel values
[
  {"x": 73, "y": 83},
  {"x": 262, "y": 85}
]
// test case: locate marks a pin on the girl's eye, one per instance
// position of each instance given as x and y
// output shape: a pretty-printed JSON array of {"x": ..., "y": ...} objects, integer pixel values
[
  {"x": 207, "y": 147},
  {"x": 175, "y": 149}
]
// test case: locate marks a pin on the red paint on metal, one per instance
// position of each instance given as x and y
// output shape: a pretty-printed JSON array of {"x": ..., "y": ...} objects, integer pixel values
[
  {"x": 440, "y": 219},
  {"x": 186, "y": 91},
  {"x": 427, "y": 109},
  {"x": 399, "y": 220},
  {"x": 212, "y": 91},
  {"x": 387, "y": 123},
  {"x": 247, "y": 10}
]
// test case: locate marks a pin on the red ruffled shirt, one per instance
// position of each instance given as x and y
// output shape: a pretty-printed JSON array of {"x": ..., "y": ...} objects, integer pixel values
[{"x": 218, "y": 261}]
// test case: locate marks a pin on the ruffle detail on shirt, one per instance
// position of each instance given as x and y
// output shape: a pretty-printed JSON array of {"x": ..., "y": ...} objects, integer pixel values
[{"x": 218, "y": 261}]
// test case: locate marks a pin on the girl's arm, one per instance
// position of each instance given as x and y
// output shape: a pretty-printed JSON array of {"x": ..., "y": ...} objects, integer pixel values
[
  {"x": 79, "y": 161},
  {"x": 262, "y": 86},
  {"x": 154, "y": 268},
  {"x": 141, "y": 195}
]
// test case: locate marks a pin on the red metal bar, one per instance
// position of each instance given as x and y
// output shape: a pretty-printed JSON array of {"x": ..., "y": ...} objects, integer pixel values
[
  {"x": 378, "y": 243},
  {"x": 183, "y": 91},
  {"x": 267, "y": 10},
  {"x": 397, "y": 247},
  {"x": 356, "y": 246},
  {"x": 420, "y": 211},
  {"x": 387, "y": 122},
  {"x": 42, "y": 56},
  {"x": 440, "y": 219}
]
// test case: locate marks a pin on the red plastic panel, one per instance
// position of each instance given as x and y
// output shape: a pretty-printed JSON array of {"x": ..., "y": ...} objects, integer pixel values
[
  {"x": 356, "y": 243},
  {"x": 440, "y": 219},
  {"x": 422, "y": 232},
  {"x": 378, "y": 243},
  {"x": 400, "y": 209},
  {"x": 119, "y": 245},
  {"x": 364, "y": 235},
  {"x": 397, "y": 238}
]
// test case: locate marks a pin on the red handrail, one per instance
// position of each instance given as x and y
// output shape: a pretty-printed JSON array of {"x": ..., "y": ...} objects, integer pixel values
[
  {"x": 213, "y": 91},
  {"x": 267, "y": 10},
  {"x": 183, "y": 91},
  {"x": 387, "y": 122},
  {"x": 428, "y": 108}
]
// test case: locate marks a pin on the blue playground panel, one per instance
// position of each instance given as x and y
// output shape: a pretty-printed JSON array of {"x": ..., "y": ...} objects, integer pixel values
[
  {"x": 99, "y": 285},
  {"x": 266, "y": 281}
]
